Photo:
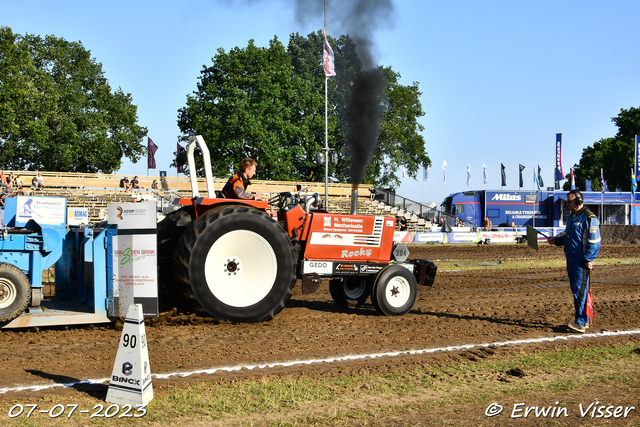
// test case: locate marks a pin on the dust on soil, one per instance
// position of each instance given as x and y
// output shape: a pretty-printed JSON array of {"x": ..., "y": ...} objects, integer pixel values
[{"x": 471, "y": 307}]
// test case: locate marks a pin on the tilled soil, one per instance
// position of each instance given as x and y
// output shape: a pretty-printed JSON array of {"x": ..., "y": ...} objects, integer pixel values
[{"x": 462, "y": 307}]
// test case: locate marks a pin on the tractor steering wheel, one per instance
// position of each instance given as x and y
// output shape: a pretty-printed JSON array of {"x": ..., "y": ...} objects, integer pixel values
[{"x": 280, "y": 199}]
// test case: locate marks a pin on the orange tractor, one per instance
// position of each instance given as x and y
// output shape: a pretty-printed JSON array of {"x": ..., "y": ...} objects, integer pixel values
[{"x": 234, "y": 261}]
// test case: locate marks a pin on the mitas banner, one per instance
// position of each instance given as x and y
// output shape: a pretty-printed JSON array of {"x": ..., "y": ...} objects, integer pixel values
[
  {"x": 559, "y": 174},
  {"x": 636, "y": 167}
]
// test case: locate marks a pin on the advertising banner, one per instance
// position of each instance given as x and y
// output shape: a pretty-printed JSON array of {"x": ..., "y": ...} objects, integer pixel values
[
  {"x": 463, "y": 237},
  {"x": 77, "y": 216},
  {"x": 43, "y": 210},
  {"x": 559, "y": 174},
  {"x": 432, "y": 237},
  {"x": 497, "y": 237},
  {"x": 636, "y": 162},
  {"x": 135, "y": 261}
]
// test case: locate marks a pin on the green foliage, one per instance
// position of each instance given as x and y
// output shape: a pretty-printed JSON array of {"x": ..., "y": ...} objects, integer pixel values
[
  {"x": 614, "y": 155},
  {"x": 57, "y": 111},
  {"x": 268, "y": 104}
]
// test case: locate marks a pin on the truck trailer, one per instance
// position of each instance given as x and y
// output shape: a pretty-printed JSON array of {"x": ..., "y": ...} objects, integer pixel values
[{"x": 538, "y": 208}]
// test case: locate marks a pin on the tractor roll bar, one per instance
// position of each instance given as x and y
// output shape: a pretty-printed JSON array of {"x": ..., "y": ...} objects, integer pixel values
[{"x": 207, "y": 166}]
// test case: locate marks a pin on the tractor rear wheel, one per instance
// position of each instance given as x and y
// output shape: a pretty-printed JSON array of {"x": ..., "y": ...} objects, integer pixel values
[
  {"x": 394, "y": 291},
  {"x": 15, "y": 292},
  {"x": 170, "y": 230},
  {"x": 350, "y": 292},
  {"x": 235, "y": 263}
]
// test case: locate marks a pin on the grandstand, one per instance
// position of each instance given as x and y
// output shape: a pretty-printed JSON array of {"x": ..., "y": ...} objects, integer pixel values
[{"x": 96, "y": 191}]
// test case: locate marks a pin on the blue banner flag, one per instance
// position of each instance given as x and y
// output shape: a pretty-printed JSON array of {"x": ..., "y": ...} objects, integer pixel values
[
  {"x": 559, "y": 174},
  {"x": 540, "y": 181},
  {"x": 588, "y": 185},
  {"x": 521, "y": 182},
  {"x": 636, "y": 163}
]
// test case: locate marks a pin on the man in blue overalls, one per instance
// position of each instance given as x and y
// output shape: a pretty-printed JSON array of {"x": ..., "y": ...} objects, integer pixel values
[{"x": 581, "y": 241}]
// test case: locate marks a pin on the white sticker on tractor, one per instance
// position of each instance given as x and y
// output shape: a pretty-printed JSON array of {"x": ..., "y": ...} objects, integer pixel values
[{"x": 320, "y": 267}]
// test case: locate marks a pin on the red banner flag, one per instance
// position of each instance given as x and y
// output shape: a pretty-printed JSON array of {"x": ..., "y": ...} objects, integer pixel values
[
  {"x": 329, "y": 59},
  {"x": 180, "y": 167},
  {"x": 151, "y": 154}
]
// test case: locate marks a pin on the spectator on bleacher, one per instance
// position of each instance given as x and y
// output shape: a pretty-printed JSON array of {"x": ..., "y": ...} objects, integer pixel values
[
  {"x": 11, "y": 180},
  {"x": 372, "y": 190},
  {"x": 135, "y": 185},
  {"x": 124, "y": 183},
  {"x": 8, "y": 191},
  {"x": 2, "y": 201},
  {"x": 3, "y": 178},
  {"x": 154, "y": 185},
  {"x": 402, "y": 223},
  {"x": 19, "y": 191},
  {"x": 40, "y": 179},
  {"x": 37, "y": 181}
]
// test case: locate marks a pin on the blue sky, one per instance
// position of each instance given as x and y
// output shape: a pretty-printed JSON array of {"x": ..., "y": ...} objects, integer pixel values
[{"x": 498, "y": 78}]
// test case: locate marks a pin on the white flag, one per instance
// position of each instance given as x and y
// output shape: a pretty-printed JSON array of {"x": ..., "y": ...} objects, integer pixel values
[
  {"x": 468, "y": 175},
  {"x": 484, "y": 174},
  {"x": 444, "y": 179},
  {"x": 403, "y": 171},
  {"x": 426, "y": 174},
  {"x": 329, "y": 59}
]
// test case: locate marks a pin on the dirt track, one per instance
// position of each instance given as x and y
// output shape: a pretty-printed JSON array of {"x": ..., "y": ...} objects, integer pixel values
[{"x": 480, "y": 306}]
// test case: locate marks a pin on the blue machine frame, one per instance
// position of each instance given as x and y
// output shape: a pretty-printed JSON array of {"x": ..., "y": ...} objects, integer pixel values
[{"x": 83, "y": 270}]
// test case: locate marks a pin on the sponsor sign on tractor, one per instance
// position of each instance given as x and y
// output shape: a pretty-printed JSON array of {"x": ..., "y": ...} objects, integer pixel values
[{"x": 320, "y": 267}]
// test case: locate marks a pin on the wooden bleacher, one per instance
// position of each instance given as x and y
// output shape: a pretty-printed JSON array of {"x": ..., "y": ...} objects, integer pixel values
[{"x": 96, "y": 191}]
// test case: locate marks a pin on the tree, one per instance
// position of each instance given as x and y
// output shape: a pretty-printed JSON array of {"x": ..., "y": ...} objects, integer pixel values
[
  {"x": 57, "y": 110},
  {"x": 614, "y": 155},
  {"x": 249, "y": 103},
  {"x": 268, "y": 104}
]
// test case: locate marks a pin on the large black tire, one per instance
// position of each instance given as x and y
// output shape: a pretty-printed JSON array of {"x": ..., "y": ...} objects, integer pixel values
[
  {"x": 350, "y": 292},
  {"x": 236, "y": 263},
  {"x": 394, "y": 291},
  {"x": 15, "y": 292},
  {"x": 170, "y": 230}
]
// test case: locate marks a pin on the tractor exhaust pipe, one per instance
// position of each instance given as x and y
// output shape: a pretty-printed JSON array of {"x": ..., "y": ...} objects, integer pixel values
[{"x": 354, "y": 200}]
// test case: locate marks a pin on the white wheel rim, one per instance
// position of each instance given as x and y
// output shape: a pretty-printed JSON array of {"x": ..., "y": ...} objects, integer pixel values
[
  {"x": 353, "y": 289},
  {"x": 397, "y": 291},
  {"x": 240, "y": 268},
  {"x": 7, "y": 293}
]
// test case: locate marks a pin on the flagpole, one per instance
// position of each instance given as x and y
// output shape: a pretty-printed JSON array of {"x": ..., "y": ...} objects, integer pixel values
[{"x": 326, "y": 123}]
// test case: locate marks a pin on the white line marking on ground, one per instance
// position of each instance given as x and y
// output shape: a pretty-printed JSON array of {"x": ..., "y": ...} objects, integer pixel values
[{"x": 335, "y": 359}]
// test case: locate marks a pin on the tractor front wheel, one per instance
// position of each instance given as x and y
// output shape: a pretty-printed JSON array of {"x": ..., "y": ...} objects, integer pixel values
[
  {"x": 394, "y": 291},
  {"x": 235, "y": 263},
  {"x": 15, "y": 292},
  {"x": 350, "y": 292}
]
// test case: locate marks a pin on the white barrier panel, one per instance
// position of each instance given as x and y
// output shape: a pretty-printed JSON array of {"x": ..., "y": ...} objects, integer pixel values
[
  {"x": 498, "y": 237},
  {"x": 130, "y": 381},
  {"x": 431, "y": 237}
]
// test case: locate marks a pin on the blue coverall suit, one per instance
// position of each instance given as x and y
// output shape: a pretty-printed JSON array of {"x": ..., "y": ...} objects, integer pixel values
[{"x": 581, "y": 241}]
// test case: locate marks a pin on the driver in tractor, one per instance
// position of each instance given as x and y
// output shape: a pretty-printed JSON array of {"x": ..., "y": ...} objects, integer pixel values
[{"x": 236, "y": 187}]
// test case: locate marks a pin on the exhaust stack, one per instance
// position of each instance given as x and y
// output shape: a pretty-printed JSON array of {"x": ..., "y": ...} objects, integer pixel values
[{"x": 354, "y": 200}]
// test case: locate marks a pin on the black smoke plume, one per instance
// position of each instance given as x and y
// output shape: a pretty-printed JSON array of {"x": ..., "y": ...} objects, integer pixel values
[{"x": 360, "y": 19}]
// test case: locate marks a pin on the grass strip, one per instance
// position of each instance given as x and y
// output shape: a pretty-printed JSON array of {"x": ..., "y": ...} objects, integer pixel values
[{"x": 343, "y": 400}]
